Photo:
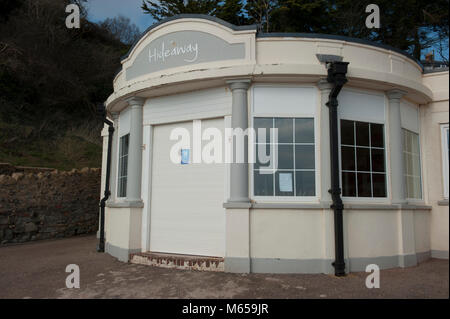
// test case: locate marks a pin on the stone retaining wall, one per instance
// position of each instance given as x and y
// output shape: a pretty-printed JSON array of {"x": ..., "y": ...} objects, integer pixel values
[{"x": 42, "y": 203}]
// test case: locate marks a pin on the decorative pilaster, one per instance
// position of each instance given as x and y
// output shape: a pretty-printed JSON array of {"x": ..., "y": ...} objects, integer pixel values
[
  {"x": 239, "y": 119},
  {"x": 135, "y": 150},
  {"x": 396, "y": 147}
]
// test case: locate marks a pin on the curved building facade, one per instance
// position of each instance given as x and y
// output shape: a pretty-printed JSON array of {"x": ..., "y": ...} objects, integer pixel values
[{"x": 203, "y": 78}]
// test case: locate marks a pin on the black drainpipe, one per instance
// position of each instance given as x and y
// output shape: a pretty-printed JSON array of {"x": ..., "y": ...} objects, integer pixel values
[
  {"x": 336, "y": 76},
  {"x": 107, "y": 193}
]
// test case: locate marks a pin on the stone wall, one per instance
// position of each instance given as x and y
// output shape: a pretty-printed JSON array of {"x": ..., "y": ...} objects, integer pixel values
[{"x": 42, "y": 203}]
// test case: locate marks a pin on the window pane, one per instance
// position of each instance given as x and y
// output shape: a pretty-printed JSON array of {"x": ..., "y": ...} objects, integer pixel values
[
  {"x": 417, "y": 192},
  {"x": 123, "y": 166},
  {"x": 377, "y": 135},
  {"x": 263, "y": 122},
  {"x": 363, "y": 159},
  {"x": 377, "y": 160},
  {"x": 263, "y": 183},
  {"x": 415, "y": 143},
  {"x": 379, "y": 185},
  {"x": 364, "y": 185},
  {"x": 348, "y": 158},
  {"x": 285, "y": 156},
  {"x": 347, "y": 132},
  {"x": 408, "y": 164},
  {"x": 305, "y": 183},
  {"x": 304, "y": 130},
  {"x": 285, "y": 130},
  {"x": 412, "y": 164},
  {"x": 409, "y": 186},
  {"x": 415, "y": 165},
  {"x": 284, "y": 183},
  {"x": 304, "y": 157},
  {"x": 348, "y": 184},
  {"x": 362, "y": 134}
]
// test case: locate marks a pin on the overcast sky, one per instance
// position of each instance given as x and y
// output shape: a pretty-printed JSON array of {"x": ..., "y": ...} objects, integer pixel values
[{"x": 101, "y": 9}]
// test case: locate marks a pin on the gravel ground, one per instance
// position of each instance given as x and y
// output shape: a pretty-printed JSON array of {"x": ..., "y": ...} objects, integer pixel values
[{"x": 37, "y": 270}]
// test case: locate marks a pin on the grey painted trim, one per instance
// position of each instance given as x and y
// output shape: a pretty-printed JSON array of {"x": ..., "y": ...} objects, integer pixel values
[
  {"x": 237, "y": 264},
  {"x": 122, "y": 254},
  {"x": 315, "y": 266},
  {"x": 291, "y": 205},
  {"x": 407, "y": 260},
  {"x": 341, "y": 38},
  {"x": 130, "y": 204},
  {"x": 326, "y": 205},
  {"x": 386, "y": 207},
  {"x": 421, "y": 257},
  {"x": 443, "y": 202},
  {"x": 291, "y": 266},
  {"x": 410, "y": 206},
  {"x": 329, "y": 58},
  {"x": 190, "y": 16},
  {"x": 426, "y": 71},
  {"x": 439, "y": 254},
  {"x": 237, "y": 205}
]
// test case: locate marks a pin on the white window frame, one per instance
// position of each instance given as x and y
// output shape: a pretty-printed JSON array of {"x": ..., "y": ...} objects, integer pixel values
[
  {"x": 118, "y": 165},
  {"x": 444, "y": 148},
  {"x": 358, "y": 118},
  {"x": 274, "y": 114},
  {"x": 410, "y": 199}
]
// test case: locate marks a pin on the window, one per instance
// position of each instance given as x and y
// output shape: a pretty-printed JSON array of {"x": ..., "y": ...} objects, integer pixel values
[
  {"x": 123, "y": 166},
  {"x": 295, "y": 173},
  {"x": 411, "y": 154},
  {"x": 362, "y": 159},
  {"x": 445, "y": 153}
]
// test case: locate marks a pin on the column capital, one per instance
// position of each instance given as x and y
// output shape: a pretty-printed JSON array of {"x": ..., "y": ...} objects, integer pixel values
[
  {"x": 395, "y": 94},
  {"x": 135, "y": 101},
  {"x": 323, "y": 84},
  {"x": 115, "y": 116},
  {"x": 242, "y": 84}
]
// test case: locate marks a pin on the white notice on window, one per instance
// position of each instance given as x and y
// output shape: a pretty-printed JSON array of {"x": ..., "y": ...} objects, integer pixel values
[{"x": 285, "y": 181}]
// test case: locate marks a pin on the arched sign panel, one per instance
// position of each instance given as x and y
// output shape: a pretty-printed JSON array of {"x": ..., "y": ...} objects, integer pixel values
[{"x": 183, "y": 48}]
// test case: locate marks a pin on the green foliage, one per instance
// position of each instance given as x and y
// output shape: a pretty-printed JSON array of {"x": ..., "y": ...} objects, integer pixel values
[
  {"x": 166, "y": 8},
  {"x": 410, "y": 25},
  {"x": 232, "y": 11},
  {"x": 51, "y": 79}
]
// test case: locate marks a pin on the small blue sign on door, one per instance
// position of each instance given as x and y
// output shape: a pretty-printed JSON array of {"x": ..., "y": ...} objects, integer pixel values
[{"x": 184, "y": 156}]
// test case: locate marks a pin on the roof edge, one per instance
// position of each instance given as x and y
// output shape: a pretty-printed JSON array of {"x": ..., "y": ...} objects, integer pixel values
[{"x": 339, "y": 37}]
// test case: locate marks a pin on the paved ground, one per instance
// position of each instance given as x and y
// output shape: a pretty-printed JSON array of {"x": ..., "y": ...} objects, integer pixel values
[{"x": 37, "y": 270}]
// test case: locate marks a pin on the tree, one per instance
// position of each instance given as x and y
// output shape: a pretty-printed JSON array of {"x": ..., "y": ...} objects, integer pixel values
[
  {"x": 301, "y": 16},
  {"x": 409, "y": 25},
  {"x": 260, "y": 13},
  {"x": 122, "y": 29},
  {"x": 162, "y": 9},
  {"x": 232, "y": 11}
]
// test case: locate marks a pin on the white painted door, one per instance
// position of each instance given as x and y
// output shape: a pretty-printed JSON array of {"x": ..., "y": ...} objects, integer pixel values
[{"x": 187, "y": 216}]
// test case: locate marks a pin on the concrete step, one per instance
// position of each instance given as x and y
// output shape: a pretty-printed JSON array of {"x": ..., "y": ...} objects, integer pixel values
[{"x": 178, "y": 261}]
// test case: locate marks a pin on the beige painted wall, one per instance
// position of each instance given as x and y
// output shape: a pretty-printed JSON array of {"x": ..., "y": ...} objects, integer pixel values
[
  {"x": 123, "y": 228},
  {"x": 433, "y": 115},
  {"x": 306, "y": 234}
]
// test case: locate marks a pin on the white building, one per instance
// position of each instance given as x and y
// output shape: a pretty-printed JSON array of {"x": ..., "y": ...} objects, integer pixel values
[{"x": 393, "y": 151}]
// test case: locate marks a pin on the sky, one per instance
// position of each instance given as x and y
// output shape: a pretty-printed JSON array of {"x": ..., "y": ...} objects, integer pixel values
[{"x": 99, "y": 10}]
